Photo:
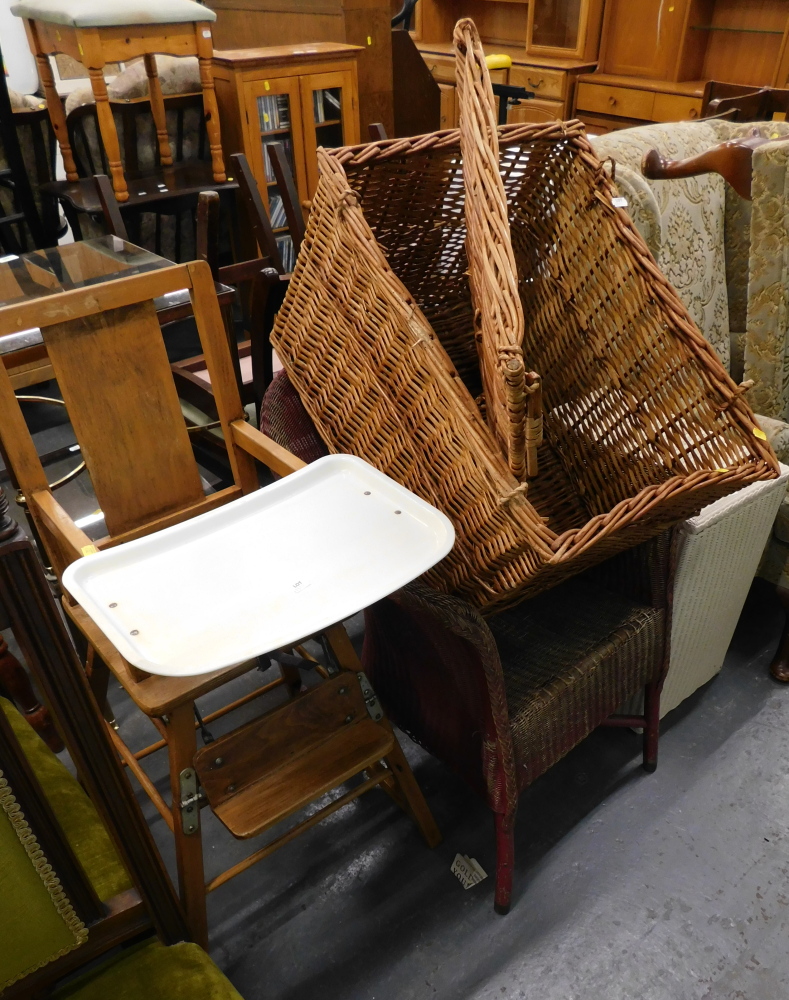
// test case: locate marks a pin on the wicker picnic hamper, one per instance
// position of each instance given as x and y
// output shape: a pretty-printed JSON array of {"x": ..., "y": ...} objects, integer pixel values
[{"x": 642, "y": 424}]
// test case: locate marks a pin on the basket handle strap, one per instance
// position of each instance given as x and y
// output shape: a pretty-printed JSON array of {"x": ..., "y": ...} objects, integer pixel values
[{"x": 513, "y": 401}]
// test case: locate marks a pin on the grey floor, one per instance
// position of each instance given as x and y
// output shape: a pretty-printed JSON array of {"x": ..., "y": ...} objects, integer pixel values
[{"x": 671, "y": 885}]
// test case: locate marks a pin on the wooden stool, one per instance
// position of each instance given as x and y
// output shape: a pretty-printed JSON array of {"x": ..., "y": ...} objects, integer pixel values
[{"x": 95, "y": 32}]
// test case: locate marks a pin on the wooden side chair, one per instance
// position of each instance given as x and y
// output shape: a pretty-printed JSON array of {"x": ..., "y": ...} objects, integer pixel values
[
  {"x": 97, "y": 34},
  {"x": 159, "y": 212},
  {"x": 261, "y": 281},
  {"x": 107, "y": 356}
]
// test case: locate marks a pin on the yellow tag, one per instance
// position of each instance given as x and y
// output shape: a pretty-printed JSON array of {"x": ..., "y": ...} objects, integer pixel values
[
  {"x": 266, "y": 85},
  {"x": 89, "y": 550},
  {"x": 80, "y": 50},
  {"x": 369, "y": 40},
  {"x": 759, "y": 433},
  {"x": 721, "y": 470},
  {"x": 57, "y": 35},
  {"x": 265, "y": 117}
]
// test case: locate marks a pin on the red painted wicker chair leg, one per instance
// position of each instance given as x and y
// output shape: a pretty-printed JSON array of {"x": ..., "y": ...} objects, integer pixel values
[
  {"x": 15, "y": 682},
  {"x": 779, "y": 668},
  {"x": 505, "y": 860},
  {"x": 652, "y": 728}
]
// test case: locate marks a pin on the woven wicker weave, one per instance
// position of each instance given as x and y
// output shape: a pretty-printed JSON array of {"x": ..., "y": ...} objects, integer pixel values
[
  {"x": 493, "y": 277},
  {"x": 643, "y": 426}
]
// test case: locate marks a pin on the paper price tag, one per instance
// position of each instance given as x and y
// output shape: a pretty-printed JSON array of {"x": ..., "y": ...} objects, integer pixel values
[
  {"x": 619, "y": 202},
  {"x": 467, "y": 871}
]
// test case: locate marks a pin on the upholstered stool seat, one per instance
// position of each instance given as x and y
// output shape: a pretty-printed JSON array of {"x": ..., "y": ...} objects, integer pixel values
[
  {"x": 97, "y": 32},
  {"x": 100, "y": 14}
]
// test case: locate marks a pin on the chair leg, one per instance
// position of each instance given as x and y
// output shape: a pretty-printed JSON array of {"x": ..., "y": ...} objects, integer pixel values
[
  {"x": 16, "y": 684},
  {"x": 182, "y": 745},
  {"x": 93, "y": 59},
  {"x": 99, "y": 679},
  {"x": 505, "y": 861},
  {"x": 57, "y": 115},
  {"x": 779, "y": 668},
  {"x": 652, "y": 727},
  {"x": 407, "y": 785},
  {"x": 157, "y": 110},
  {"x": 205, "y": 58}
]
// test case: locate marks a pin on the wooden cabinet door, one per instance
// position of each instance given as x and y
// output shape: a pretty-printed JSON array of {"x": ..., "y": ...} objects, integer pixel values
[
  {"x": 330, "y": 116},
  {"x": 644, "y": 38},
  {"x": 274, "y": 114}
]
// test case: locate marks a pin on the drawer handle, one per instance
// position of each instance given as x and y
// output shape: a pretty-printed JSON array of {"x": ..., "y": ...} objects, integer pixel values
[
  {"x": 612, "y": 101},
  {"x": 536, "y": 85},
  {"x": 694, "y": 113}
]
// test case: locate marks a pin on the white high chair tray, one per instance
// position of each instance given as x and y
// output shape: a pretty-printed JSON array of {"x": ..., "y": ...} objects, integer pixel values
[{"x": 263, "y": 571}]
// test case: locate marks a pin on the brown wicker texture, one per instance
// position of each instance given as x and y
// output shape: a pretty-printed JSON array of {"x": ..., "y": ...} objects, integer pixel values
[
  {"x": 493, "y": 277},
  {"x": 643, "y": 426}
]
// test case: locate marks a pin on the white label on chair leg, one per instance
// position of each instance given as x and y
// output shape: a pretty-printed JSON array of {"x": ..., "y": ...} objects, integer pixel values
[
  {"x": 468, "y": 871},
  {"x": 206, "y": 32}
]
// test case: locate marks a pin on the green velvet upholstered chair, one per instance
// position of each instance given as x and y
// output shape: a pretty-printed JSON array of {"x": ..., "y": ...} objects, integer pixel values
[{"x": 56, "y": 859}]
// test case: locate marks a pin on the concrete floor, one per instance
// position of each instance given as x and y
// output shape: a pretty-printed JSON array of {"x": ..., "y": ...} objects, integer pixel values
[
  {"x": 633, "y": 886},
  {"x": 672, "y": 885}
]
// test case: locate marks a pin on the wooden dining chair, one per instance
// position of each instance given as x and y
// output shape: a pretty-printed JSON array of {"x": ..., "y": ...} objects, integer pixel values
[
  {"x": 261, "y": 281},
  {"x": 108, "y": 355}
]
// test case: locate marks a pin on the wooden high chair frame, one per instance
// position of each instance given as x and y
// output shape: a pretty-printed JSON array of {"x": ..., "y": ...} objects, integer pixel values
[
  {"x": 94, "y": 47},
  {"x": 106, "y": 348}
]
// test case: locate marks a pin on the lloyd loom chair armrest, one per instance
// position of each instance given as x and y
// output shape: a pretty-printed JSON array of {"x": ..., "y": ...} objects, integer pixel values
[
  {"x": 264, "y": 449},
  {"x": 74, "y": 541}
]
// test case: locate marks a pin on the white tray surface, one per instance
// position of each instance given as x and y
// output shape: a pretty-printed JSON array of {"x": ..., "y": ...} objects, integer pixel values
[{"x": 261, "y": 572}]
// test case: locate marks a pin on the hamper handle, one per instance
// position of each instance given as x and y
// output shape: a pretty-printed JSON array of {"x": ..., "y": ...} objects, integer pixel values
[{"x": 512, "y": 401}]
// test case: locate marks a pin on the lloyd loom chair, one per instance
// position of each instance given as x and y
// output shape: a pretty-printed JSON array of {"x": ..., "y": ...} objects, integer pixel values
[
  {"x": 379, "y": 335},
  {"x": 108, "y": 355},
  {"x": 500, "y": 700}
]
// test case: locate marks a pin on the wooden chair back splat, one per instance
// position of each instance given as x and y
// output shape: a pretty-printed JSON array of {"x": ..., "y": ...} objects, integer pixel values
[
  {"x": 123, "y": 352},
  {"x": 130, "y": 426}
]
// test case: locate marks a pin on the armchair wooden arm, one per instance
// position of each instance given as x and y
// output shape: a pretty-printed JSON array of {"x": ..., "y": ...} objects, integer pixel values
[
  {"x": 264, "y": 449},
  {"x": 732, "y": 160},
  {"x": 71, "y": 540}
]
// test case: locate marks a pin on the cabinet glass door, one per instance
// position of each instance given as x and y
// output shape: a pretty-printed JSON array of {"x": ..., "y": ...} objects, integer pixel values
[
  {"x": 273, "y": 116},
  {"x": 556, "y": 24},
  {"x": 331, "y": 117}
]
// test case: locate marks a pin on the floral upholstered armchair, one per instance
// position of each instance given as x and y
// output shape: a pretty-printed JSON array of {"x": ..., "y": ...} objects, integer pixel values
[{"x": 727, "y": 258}]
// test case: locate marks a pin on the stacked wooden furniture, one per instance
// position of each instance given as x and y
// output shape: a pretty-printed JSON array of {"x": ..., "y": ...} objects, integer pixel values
[
  {"x": 656, "y": 58},
  {"x": 97, "y": 37},
  {"x": 300, "y": 96},
  {"x": 550, "y": 44},
  {"x": 245, "y": 23}
]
